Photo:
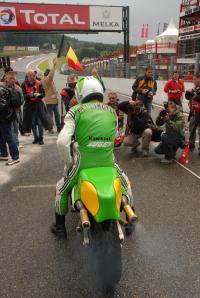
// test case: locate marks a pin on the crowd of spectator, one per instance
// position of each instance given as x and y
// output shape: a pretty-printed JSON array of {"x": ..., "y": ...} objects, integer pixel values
[
  {"x": 172, "y": 134},
  {"x": 26, "y": 108},
  {"x": 33, "y": 107}
]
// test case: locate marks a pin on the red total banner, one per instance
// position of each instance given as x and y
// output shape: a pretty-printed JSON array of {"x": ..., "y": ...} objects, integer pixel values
[{"x": 44, "y": 17}]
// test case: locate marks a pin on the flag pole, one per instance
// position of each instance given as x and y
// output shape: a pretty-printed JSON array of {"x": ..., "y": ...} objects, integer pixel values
[{"x": 61, "y": 46}]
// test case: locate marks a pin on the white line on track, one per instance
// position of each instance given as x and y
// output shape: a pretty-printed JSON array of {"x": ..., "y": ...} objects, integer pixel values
[
  {"x": 32, "y": 62},
  {"x": 15, "y": 188},
  {"x": 188, "y": 170},
  {"x": 178, "y": 163}
]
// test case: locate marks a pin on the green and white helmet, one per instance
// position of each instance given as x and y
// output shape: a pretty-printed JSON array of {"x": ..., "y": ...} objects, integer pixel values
[{"x": 88, "y": 89}]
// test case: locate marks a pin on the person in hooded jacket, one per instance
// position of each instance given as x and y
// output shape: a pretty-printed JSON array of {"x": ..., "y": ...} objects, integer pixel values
[{"x": 174, "y": 135}]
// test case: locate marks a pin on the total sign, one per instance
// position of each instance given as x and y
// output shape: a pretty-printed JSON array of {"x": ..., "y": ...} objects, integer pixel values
[
  {"x": 44, "y": 17},
  {"x": 26, "y": 17},
  {"x": 8, "y": 17}
]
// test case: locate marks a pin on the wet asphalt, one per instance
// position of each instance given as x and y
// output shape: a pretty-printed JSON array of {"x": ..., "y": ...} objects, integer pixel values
[{"x": 161, "y": 258}]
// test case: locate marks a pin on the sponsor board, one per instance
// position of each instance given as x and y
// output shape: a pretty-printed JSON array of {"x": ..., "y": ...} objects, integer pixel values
[
  {"x": 20, "y": 48},
  {"x": 33, "y": 49},
  {"x": 186, "y": 29},
  {"x": 8, "y": 17},
  {"x": 105, "y": 18},
  {"x": 189, "y": 29},
  {"x": 190, "y": 36},
  {"x": 190, "y": 10},
  {"x": 186, "y": 61},
  {"x": 57, "y": 17}
]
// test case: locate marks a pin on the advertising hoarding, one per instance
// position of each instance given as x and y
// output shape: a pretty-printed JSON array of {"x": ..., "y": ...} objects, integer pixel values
[{"x": 56, "y": 17}]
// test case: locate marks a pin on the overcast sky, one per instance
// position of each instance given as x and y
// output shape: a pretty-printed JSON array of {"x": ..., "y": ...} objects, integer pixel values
[{"x": 141, "y": 12}]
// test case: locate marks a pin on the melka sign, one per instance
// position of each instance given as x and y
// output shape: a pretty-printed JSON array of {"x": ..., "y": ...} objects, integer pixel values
[{"x": 47, "y": 17}]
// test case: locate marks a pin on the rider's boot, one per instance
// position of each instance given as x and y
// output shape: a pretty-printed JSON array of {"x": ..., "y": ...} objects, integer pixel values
[{"x": 59, "y": 228}]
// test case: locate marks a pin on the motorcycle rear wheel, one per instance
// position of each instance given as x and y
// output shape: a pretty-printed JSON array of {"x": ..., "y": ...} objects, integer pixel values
[{"x": 106, "y": 247}]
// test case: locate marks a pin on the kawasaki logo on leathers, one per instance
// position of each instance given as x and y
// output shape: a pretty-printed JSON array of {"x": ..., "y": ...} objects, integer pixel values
[
  {"x": 100, "y": 142},
  {"x": 105, "y": 139}
]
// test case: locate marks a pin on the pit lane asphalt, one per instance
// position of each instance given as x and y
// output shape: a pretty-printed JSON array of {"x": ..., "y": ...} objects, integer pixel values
[{"x": 161, "y": 259}]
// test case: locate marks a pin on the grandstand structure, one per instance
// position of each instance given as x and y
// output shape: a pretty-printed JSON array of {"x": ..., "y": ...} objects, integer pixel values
[
  {"x": 189, "y": 29},
  {"x": 175, "y": 48}
]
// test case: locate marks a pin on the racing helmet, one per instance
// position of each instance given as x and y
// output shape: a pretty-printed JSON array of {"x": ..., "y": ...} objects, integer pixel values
[{"x": 88, "y": 89}]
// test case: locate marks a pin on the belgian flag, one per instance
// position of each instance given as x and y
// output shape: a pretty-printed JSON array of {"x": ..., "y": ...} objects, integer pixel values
[{"x": 67, "y": 51}]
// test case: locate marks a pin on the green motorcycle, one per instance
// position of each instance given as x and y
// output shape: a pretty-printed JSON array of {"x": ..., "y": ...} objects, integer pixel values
[{"x": 98, "y": 199}]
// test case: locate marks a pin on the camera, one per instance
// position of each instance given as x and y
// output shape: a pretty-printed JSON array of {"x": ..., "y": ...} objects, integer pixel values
[
  {"x": 149, "y": 96},
  {"x": 165, "y": 104},
  {"x": 135, "y": 109},
  {"x": 163, "y": 113},
  {"x": 36, "y": 95}
]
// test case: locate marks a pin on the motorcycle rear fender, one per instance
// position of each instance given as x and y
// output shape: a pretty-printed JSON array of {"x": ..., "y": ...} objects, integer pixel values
[{"x": 100, "y": 191}]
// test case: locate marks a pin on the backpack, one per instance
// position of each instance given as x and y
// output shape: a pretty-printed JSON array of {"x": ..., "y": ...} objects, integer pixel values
[
  {"x": 15, "y": 98},
  {"x": 4, "y": 98}
]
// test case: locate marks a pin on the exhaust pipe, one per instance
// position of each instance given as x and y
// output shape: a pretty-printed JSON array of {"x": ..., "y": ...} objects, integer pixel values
[
  {"x": 79, "y": 227},
  {"x": 128, "y": 210},
  {"x": 85, "y": 222}
]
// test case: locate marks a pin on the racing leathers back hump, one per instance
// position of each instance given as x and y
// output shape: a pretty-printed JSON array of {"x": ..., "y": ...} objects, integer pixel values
[
  {"x": 93, "y": 127},
  {"x": 95, "y": 133}
]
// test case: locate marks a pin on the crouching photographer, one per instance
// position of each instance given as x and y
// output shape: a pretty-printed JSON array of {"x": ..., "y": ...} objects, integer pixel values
[
  {"x": 173, "y": 137},
  {"x": 137, "y": 123}
]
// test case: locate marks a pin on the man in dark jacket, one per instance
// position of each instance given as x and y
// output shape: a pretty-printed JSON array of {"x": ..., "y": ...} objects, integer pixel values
[
  {"x": 144, "y": 89},
  {"x": 137, "y": 123},
  {"x": 33, "y": 94},
  {"x": 7, "y": 115},
  {"x": 174, "y": 135},
  {"x": 193, "y": 95}
]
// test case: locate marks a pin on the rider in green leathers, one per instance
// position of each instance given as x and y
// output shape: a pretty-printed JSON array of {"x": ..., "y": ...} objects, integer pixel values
[{"x": 86, "y": 141}]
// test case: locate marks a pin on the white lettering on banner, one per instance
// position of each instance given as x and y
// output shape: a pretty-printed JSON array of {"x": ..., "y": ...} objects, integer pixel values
[
  {"x": 77, "y": 21},
  {"x": 55, "y": 18},
  {"x": 27, "y": 14},
  {"x": 40, "y": 18},
  {"x": 66, "y": 19}
]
